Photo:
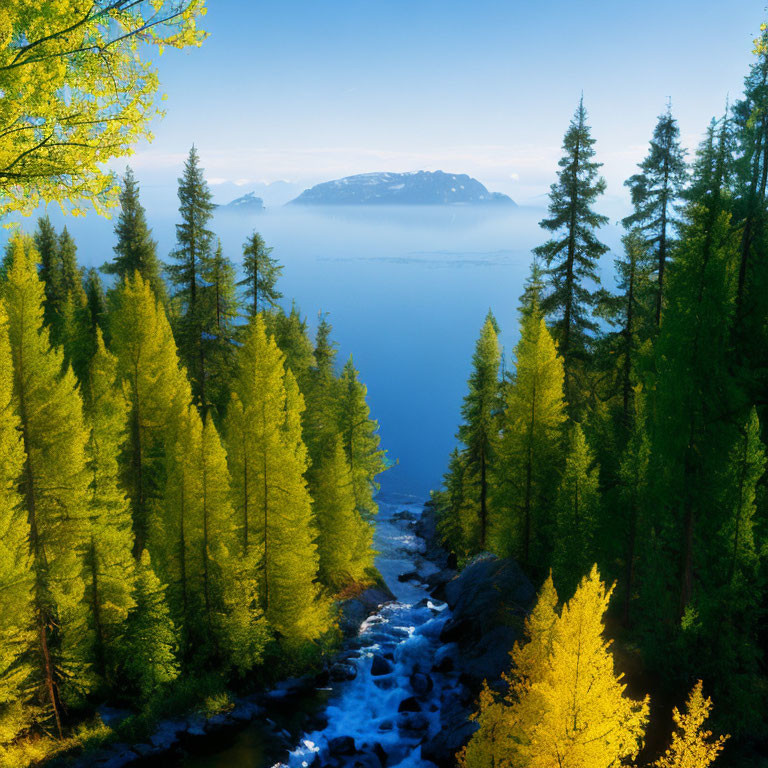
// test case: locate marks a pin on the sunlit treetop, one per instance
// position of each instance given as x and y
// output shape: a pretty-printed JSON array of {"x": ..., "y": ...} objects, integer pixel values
[{"x": 77, "y": 89}]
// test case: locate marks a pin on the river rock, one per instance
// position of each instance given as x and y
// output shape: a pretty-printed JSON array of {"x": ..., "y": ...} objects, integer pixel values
[
  {"x": 380, "y": 666},
  {"x": 342, "y": 745},
  {"x": 421, "y": 684},
  {"x": 454, "y": 732},
  {"x": 412, "y": 721},
  {"x": 342, "y": 671},
  {"x": 410, "y": 704},
  {"x": 355, "y": 610},
  {"x": 408, "y": 576},
  {"x": 488, "y": 600}
]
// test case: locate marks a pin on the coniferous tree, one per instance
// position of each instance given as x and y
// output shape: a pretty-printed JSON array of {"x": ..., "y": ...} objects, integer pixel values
[
  {"x": 572, "y": 254},
  {"x": 47, "y": 244},
  {"x": 344, "y": 542},
  {"x": 692, "y": 745},
  {"x": 135, "y": 251},
  {"x": 290, "y": 332},
  {"x": 109, "y": 564},
  {"x": 456, "y": 515},
  {"x": 360, "y": 434},
  {"x": 479, "y": 430},
  {"x": 149, "y": 645},
  {"x": 17, "y": 637},
  {"x": 54, "y": 485},
  {"x": 273, "y": 509},
  {"x": 262, "y": 272},
  {"x": 527, "y": 468},
  {"x": 194, "y": 249},
  {"x": 577, "y": 510},
  {"x": 96, "y": 302},
  {"x": 656, "y": 192},
  {"x": 148, "y": 367}
]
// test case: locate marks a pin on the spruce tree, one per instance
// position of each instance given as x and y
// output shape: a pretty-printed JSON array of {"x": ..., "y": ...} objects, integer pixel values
[
  {"x": 54, "y": 485},
  {"x": 572, "y": 254},
  {"x": 656, "y": 192},
  {"x": 529, "y": 454},
  {"x": 479, "y": 430},
  {"x": 577, "y": 509},
  {"x": 17, "y": 636},
  {"x": 360, "y": 435},
  {"x": 149, "y": 645},
  {"x": 148, "y": 367},
  {"x": 47, "y": 244},
  {"x": 273, "y": 509},
  {"x": 456, "y": 516},
  {"x": 194, "y": 249},
  {"x": 262, "y": 271},
  {"x": 109, "y": 565},
  {"x": 135, "y": 250}
]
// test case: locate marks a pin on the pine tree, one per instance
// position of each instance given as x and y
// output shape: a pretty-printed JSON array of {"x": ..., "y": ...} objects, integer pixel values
[
  {"x": 149, "y": 645},
  {"x": 360, "y": 434},
  {"x": 456, "y": 515},
  {"x": 220, "y": 310},
  {"x": 47, "y": 244},
  {"x": 262, "y": 272},
  {"x": 656, "y": 192},
  {"x": 54, "y": 485},
  {"x": 148, "y": 367},
  {"x": 344, "y": 542},
  {"x": 573, "y": 252},
  {"x": 109, "y": 565},
  {"x": 135, "y": 251},
  {"x": 96, "y": 302},
  {"x": 479, "y": 429},
  {"x": 529, "y": 454},
  {"x": 192, "y": 256},
  {"x": 692, "y": 745},
  {"x": 574, "y": 711},
  {"x": 291, "y": 334},
  {"x": 273, "y": 508},
  {"x": 577, "y": 509},
  {"x": 17, "y": 638}
]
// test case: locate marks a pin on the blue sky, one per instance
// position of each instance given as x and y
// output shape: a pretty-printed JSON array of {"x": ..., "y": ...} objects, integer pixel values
[{"x": 307, "y": 91}]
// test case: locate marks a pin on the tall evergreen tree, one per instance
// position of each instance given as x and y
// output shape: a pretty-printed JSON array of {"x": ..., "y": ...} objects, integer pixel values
[
  {"x": 344, "y": 541},
  {"x": 17, "y": 637},
  {"x": 54, "y": 484},
  {"x": 478, "y": 431},
  {"x": 135, "y": 251},
  {"x": 527, "y": 468},
  {"x": 262, "y": 271},
  {"x": 656, "y": 192},
  {"x": 273, "y": 509},
  {"x": 148, "y": 367},
  {"x": 109, "y": 565},
  {"x": 573, "y": 252},
  {"x": 194, "y": 249},
  {"x": 360, "y": 435},
  {"x": 577, "y": 510},
  {"x": 47, "y": 244}
]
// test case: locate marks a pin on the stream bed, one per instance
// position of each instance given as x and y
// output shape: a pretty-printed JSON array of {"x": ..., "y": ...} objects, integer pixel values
[{"x": 392, "y": 680}]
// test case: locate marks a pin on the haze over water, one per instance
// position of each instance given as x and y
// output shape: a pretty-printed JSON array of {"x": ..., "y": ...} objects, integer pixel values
[{"x": 406, "y": 289}]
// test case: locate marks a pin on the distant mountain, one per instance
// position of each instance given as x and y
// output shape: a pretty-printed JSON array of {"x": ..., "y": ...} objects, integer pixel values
[
  {"x": 246, "y": 203},
  {"x": 420, "y": 188}
]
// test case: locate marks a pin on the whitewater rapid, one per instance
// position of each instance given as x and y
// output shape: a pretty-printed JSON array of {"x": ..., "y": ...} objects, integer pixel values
[{"x": 393, "y": 704}]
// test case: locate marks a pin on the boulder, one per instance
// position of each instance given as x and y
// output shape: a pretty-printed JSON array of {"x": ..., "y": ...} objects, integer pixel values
[
  {"x": 454, "y": 732},
  {"x": 342, "y": 745},
  {"x": 342, "y": 671},
  {"x": 421, "y": 684},
  {"x": 412, "y": 721},
  {"x": 380, "y": 666},
  {"x": 354, "y": 611},
  {"x": 488, "y": 600},
  {"x": 408, "y": 576},
  {"x": 410, "y": 704}
]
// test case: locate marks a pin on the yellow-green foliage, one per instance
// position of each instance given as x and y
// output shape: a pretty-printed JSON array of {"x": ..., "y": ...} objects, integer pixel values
[
  {"x": 273, "y": 507},
  {"x": 530, "y": 447},
  {"x": 16, "y": 634},
  {"x": 692, "y": 744},
  {"x": 78, "y": 90},
  {"x": 54, "y": 485}
]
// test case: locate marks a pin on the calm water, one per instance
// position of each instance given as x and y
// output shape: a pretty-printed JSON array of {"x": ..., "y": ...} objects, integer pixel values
[{"x": 407, "y": 291}]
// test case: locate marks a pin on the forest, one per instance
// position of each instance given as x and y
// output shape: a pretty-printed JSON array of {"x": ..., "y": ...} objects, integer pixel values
[
  {"x": 188, "y": 477},
  {"x": 627, "y": 431}
]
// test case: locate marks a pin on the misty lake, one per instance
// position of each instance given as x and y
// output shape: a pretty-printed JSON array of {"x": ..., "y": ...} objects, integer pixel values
[{"x": 406, "y": 290}]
